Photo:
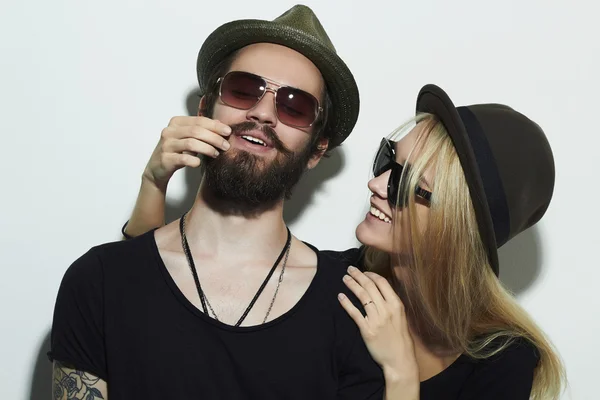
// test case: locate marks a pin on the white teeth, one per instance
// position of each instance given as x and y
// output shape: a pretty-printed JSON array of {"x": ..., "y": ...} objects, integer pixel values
[
  {"x": 254, "y": 140},
  {"x": 379, "y": 214}
]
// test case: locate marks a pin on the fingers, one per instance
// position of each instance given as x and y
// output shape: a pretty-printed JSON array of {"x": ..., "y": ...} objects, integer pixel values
[
  {"x": 173, "y": 161},
  {"x": 195, "y": 132},
  {"x": 368, "y": 304},
  {"x": 367, "y": 285},
  {"x": 195, "y": 135},
  {"x": 353, "y": 312},
  {"x": 393, "y": 302},
  {"x": 386, "y": 290},
  {"x": 180, "y": 143},
  {"x": 193, "y": 146},
  {"x": 207, "y": 123}
]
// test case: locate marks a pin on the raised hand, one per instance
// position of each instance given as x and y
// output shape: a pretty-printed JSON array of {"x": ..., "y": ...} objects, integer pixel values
[
  {"x": 384, "y": 329},
  {"x": 180, "y": 143}
]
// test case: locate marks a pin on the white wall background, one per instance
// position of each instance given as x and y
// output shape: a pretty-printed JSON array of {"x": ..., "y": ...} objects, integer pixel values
[{"x": 86, "y": 87}]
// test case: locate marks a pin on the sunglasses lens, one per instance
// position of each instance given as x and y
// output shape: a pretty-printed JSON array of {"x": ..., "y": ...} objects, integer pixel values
[
  {"x": 393, "y": 186},
  {"x": 296, "y": 107},
  {"x": 383, "y": 159},
  {"x": 242, "y": 90}
]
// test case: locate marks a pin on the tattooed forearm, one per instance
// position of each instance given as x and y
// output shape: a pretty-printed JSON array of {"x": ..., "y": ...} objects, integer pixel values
[{"x": 71, "y": 384}]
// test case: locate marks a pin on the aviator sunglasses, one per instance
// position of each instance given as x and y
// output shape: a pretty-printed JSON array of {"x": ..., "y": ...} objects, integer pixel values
[
  {"x": 385, "y": 160},
  {"x": 294, "y": 107}
]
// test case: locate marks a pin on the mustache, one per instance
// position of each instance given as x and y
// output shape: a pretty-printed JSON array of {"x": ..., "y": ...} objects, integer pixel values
[{"x": 247, "y": 126}]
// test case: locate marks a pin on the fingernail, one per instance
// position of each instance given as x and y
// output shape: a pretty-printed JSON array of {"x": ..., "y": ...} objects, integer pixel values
[
  {"x": 347, "y": 277},
  {"x": 341, "y": 296},
  {"x": 352, "y": 269},
  {"x": 226, "y": 145},
  {"x": 216, "y": 153},
  {"x": 227, "y": 130}
]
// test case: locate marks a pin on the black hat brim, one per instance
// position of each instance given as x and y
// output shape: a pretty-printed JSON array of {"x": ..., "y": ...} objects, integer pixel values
[{"x": 432, "y": 99}]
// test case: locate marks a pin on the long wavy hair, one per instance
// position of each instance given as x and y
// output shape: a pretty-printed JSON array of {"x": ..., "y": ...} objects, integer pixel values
[{"x": 454, "y": 301}]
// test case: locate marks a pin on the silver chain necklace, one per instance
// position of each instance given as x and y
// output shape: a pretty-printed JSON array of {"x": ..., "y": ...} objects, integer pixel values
[
  {"x": 287, "y": 252},
  {"x": 204, "y": 300}
]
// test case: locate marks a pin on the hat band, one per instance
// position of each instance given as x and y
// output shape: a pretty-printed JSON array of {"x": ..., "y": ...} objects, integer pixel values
[{"x": 492, "y": 184}]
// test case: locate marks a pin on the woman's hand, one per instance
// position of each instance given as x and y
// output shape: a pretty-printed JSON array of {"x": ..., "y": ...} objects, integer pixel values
[
  {"x": 180, "y": 142},
  {"x": 179, "y": 146},
  {"x": 384, "y": 330}
]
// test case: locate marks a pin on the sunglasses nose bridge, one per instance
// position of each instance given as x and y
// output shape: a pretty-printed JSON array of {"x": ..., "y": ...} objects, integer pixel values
[
  {"x": 269, "y": 89},
  {"x": 266, "y": 89},
  {"x": 272, "y": 87},
  {"x": 264, "y": 110}
]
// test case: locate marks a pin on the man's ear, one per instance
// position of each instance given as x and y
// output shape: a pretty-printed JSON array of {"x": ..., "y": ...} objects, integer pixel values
[
  {"x": 322, "y": 146},
  {"x": 202, "y": 106}
]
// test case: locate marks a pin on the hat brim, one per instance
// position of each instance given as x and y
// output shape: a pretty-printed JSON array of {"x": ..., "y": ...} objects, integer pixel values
[
  {"x": 434, "y": 100},
  {"x": 339, "y": 80}
]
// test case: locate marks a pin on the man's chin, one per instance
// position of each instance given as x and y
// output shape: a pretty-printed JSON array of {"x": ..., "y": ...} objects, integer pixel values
[{"x": 246, "y": 181}]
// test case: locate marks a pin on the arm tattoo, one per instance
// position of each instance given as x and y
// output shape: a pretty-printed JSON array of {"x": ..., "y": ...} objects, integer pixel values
[{"x": 70, "y": 384}]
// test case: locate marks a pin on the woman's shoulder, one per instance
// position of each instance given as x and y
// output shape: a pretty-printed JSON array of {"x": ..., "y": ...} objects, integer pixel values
[
  {"x": 519, "y": 350},
  {"x": 507, "y": 374}
]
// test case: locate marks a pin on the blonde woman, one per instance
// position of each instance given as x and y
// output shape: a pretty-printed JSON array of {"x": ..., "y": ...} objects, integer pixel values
[{"x": 450, "y": 187}]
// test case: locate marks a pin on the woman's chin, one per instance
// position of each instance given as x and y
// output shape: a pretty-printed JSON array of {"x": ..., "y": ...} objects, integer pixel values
[{"x": 366, "y": 235}]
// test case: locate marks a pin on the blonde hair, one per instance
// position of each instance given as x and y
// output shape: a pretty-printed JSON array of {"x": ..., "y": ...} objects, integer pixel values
[{"x": 454, "y": 300}]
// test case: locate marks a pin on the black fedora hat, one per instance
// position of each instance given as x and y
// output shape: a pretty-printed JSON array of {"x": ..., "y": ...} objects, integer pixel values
[
  {"x": 507, "y": 162},
  {"x": 299, "y": 29}
]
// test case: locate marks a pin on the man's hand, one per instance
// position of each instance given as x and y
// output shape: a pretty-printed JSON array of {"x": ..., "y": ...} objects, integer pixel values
[{"x": 180, "y": 142}]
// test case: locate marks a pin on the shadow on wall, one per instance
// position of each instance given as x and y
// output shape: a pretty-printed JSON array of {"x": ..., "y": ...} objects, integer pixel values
[
  {"x": 41, "y": 381},
  {"x": 310, "y": 183},
  {"x": 295, "y": 206},
  {"x": 521, "y": 261}
]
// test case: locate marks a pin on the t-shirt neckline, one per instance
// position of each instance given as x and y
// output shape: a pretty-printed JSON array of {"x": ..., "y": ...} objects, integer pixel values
[{"x": 205, "y": 318}]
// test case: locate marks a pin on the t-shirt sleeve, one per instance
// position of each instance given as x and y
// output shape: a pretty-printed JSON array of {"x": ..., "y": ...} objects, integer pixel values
[
  {"x": 506, "y": 376},
  {"x": 360, "y": 377},
  {"x": 77, "y": 337}
]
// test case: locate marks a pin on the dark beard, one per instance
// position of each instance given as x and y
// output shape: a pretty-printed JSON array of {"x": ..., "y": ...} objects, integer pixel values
[{"x": 239, "y": 182}]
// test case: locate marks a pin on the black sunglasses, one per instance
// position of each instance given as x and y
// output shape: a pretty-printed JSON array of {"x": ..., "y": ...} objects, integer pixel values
[
  {"x": 385, "y": 160},
  {"x": 244, "y": 90}
]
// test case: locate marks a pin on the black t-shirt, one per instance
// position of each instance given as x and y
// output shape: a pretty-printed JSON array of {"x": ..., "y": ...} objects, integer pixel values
[
  {"x": 120, "y": 316},
  {"x": 507, "y": 375}
]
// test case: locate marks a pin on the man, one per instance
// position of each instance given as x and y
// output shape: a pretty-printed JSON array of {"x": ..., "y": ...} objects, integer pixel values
[{"x": 225, "y": 303}]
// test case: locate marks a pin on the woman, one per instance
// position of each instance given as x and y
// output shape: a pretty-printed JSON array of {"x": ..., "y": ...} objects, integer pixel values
[{"x": 450, "y": 187}]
